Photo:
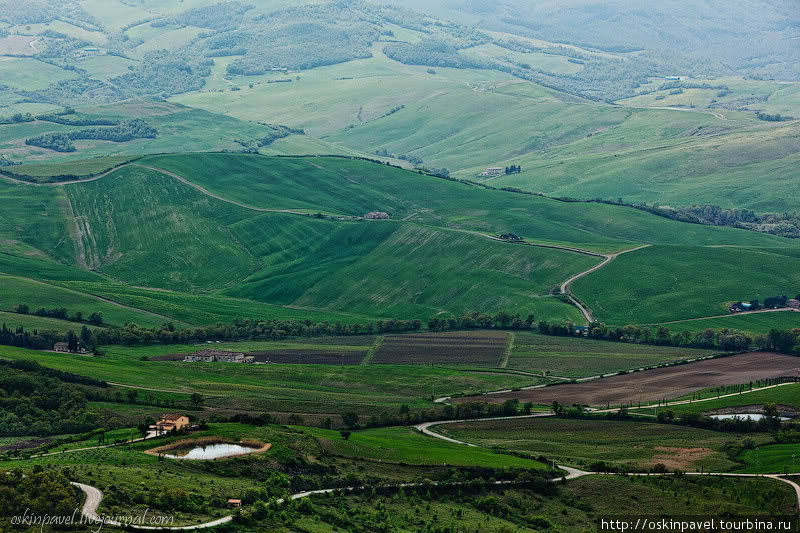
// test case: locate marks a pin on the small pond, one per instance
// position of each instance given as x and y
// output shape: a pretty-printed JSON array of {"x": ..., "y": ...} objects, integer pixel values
[
  {"x": 211, "y": 451},
  {"x": 755, "y": 417}
]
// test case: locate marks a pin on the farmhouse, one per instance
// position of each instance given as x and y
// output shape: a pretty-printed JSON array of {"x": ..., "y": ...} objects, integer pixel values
[
  {"x": 492, "y": 171},
  {"x": 234, "y": 503},
  {"x": 513, "y": 237},
  {"x": 171, "y": 422},
  {"x": 376, "y": 215},
  {"x": 210, "y": 356},
  {"x": 794, "y": 303},
  {"x": 61, "y": 347},
  {"x": 740, "y": 307}
]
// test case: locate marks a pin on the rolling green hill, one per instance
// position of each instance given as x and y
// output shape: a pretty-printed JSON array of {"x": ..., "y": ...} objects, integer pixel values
[
  {"x": 681, "y": 282},
  {"x": 222, "y": 236}
]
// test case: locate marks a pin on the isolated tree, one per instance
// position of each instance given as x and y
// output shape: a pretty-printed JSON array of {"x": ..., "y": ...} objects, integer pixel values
[
  {"x": 345, "y": 434},
  {"x": 350, "y": 419},
  {"x": 86, "y": 336},
  {"x": 72, "y": 341},
  {"x": 96, "y": 319},
  {"x": 770, "y": 410},
  {"x": 132, "y": 395},
  {"x": 197, "y": 399}
]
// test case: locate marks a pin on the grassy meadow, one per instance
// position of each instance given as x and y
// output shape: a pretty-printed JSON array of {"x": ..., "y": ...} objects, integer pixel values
[
  {"x": 405, "y": 445},
  {"x": 270, "y": 263},
  {"x": 581, "y": 443},
  {"x": 754, "y": 323},
  {"x": 787, "y": 395},
  {"x": 673, "y": 283},
  {"x": 307, "y": 389}
]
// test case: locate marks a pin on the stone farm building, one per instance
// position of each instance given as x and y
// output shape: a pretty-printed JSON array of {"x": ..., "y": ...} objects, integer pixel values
[
  {"x": 493, "y": 171},
  {"x": 171, "y": 422},
  {"x": 61, "y": 347},
  {"x": 211, "y": 356},
  {"x": 376, "y": 215}
]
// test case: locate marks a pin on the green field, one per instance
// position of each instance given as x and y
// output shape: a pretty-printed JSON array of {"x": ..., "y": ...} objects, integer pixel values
[
  {"x": 31, "y": 322},
  {"x": 636, "y": 445},
  {"x": 38, "y": 295},
  {"x": 340, "y": 269},
  {"x": 788, "y": 395},
  {"x": 405, "y": 445},
  {"x": 754, "y": 323},
  {"x": 771, "y": 458},
  {"x": 673, "y": 283},
  {"x": 367, "y": 389},
  {"x": 577, "y": 357},
  {"x": 76, "y": 168}
]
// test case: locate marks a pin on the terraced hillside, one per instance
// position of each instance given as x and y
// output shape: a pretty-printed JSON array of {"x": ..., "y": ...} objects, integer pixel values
[{"x": 222, "y": 236}]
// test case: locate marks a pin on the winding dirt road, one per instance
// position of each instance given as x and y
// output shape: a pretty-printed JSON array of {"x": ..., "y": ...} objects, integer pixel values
[
  {"x": 566, "y": 286},
  {"x": 574, "y": 473}
]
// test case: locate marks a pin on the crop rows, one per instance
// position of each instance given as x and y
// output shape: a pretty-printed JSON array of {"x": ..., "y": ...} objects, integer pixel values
[{"x": 470, "y": 348}]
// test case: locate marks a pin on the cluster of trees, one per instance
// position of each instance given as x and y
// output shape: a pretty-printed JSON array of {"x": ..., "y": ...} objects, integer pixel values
[
  {"x": 777, "y": 117},
  {"x": 17, "y": 118},
  {"x": 434, "y": 52},
  {"x": 300, "y": 37},
  {"x": 70, "y": 120},
  {"x": 39, "y": 492},
  {"x": 126, "y": 131},
  {"x": 278, "y": 132},
  {"x": 44, "y": 340},
  {"x": 773, "y": 302},
  {"x": 164, "y": 73},
  {"x": 414, "y": 160},
  {"x": 32, "y": 402},
  {"x": 513, "y": 169},
  {"x": 783, "y": 224},
  {"x": 61, "y": 313},
  {"x": 6, "y": 162},
  {"x": 222, "y": 16},
  {"x": 771, "y": 421}
]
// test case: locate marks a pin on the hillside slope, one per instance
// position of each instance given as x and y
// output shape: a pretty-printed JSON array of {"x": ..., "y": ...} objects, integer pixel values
[{"x": 231, "y": 235}]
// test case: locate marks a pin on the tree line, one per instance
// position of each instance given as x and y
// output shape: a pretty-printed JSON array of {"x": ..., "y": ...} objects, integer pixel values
[
  {"x": 777, "y": 117},
  {"x": 781, "y": 341},
  {"x": 126, "y": 131},
  {"x": 61, "y": 313}
]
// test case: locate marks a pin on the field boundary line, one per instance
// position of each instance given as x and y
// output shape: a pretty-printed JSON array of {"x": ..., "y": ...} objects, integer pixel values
[
  {"x": 372, "y": 350},
  {"x": 100, "y": 298},
  {"x": 715, "y": 317},
  {"x": 509, "y": 348},
  {"x": 153, "y": 389},
  {"x": 222, "y": 198}
]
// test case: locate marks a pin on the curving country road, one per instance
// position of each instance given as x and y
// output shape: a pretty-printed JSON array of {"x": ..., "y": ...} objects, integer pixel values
[
  {"x": 94, "y": 496},
  {"x": 566, "y": 286},
  {"x": 574, "y": 473}
]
